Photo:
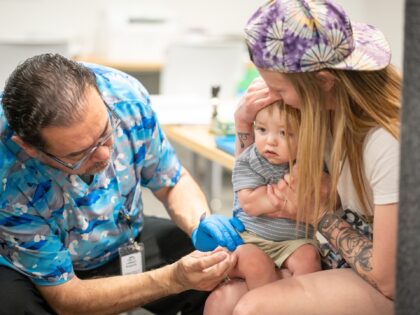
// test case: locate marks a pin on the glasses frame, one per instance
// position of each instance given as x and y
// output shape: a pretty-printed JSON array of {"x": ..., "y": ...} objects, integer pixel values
[{"x": 115, "y": 122}]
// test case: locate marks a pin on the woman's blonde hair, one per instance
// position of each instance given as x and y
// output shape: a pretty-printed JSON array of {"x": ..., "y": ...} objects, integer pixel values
[{"x": 364, "y": 100}]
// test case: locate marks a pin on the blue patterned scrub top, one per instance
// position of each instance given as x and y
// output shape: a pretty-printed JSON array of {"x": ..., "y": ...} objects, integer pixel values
[{"x": 52, "y": 222}]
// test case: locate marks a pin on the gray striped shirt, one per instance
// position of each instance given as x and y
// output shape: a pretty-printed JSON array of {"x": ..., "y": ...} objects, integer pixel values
[{"x": 251, "y": 171}]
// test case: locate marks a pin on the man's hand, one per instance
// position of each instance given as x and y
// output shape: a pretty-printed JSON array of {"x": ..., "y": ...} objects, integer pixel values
[
  {"x": 217, "y": 230},
  {"x": 203, "y": 271}
]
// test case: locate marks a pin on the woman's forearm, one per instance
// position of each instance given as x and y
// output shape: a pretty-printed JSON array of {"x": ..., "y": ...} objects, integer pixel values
[
  {"x": 244, "y": 137},
  {"x": 355, "y": 248}
]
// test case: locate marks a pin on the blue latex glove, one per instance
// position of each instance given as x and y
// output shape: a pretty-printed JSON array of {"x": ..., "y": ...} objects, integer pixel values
[{"x": 217, "y": 230}]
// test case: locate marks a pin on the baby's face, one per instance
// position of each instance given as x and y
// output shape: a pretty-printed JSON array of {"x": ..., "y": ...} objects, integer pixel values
[{"x": 271, "y": 139}]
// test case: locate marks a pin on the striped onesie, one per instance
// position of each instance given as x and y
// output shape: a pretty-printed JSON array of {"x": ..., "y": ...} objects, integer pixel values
[{"x": 252, "y": 170}]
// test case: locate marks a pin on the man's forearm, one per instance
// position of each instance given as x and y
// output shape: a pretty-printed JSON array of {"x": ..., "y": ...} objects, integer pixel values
[
  {"x": 111, "y": 295},
  {"x": 185, "y": 202},
  {"x": 355, "y": 248}
]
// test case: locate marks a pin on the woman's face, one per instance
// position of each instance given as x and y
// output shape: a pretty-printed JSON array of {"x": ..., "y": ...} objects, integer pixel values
[{"x": 281, "y": 87}]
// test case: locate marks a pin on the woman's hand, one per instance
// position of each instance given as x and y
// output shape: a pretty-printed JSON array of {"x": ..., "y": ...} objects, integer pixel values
[
  {"x": 284, "y": 196},
  {"x": 255, "y": 98}
]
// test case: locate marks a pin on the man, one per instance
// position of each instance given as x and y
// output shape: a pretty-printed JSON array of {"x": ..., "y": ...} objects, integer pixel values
[{"x": 78, "y": 143}]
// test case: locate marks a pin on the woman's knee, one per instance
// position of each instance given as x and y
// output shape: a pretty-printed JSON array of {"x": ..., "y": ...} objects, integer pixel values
[
  {"x": 214, "y": 303},
  {"x": 223, "y": 299},
  {"x": 246, "y": 306}
]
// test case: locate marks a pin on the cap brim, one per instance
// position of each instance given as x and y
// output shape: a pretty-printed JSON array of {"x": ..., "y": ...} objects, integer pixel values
[{"x": 371, "y": 50}]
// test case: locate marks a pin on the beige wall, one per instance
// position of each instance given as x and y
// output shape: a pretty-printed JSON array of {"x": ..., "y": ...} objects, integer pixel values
[{"x": 79, "y": 19}]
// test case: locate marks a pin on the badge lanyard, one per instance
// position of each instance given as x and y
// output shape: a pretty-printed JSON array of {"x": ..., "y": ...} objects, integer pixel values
[{"x": 132, "y": 259}]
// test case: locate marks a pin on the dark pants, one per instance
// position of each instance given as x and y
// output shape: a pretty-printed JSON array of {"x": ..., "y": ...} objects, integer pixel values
[{"x": 164, "y": 243}]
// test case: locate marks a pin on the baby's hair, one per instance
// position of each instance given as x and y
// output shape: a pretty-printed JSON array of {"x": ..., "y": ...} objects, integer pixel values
[{"x": 292, "y": 116}]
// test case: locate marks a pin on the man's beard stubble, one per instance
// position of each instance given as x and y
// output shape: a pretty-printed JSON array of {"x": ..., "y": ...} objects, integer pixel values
[{"x": 99, "y": 166}]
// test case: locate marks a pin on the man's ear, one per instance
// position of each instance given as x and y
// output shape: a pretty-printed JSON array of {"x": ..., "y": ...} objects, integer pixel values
[
  {"x": 326, "y": 79},
  {"x": 31, "y": 151}
]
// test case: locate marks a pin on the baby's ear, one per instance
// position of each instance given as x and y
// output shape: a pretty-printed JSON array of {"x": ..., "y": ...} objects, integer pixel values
[{"x": 326, "y": 79}]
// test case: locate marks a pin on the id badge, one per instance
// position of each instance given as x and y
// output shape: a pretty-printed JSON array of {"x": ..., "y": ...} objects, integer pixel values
[{"x": 131, "y": 258}]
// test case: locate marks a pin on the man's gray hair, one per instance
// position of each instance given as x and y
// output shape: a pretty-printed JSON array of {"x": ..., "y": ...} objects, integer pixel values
[{"x": 45, "y": 90}]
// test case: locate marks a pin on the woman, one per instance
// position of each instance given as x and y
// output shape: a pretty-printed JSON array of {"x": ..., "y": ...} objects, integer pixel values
[{"x": 338, "y": 74}]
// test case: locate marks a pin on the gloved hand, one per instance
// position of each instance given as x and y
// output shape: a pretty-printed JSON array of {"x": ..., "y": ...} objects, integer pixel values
[{"x": 217, "y": 230}]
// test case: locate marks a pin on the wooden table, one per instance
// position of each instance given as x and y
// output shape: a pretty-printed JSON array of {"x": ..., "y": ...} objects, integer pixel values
[
  {"x": 128, "y": 66},
  {"x": 201, "y": 143},
  {"x": 199, "y": 140}
]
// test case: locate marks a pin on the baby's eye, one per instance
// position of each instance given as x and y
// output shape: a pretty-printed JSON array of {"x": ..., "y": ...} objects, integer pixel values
[
  {"x": 260, "y": 129},
  {"x": 282, "y": 133}
]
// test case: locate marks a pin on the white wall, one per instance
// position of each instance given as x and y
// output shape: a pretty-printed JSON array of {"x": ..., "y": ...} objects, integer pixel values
[
  {"x": 388, "y": 15},
  {"x": 79, "y": 19}
]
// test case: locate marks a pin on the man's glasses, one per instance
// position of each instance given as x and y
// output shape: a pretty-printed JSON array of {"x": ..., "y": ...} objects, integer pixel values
[{"x": 114, "y": 122}]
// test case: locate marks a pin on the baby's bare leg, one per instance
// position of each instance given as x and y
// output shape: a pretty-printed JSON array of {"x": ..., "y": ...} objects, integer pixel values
[
  {"x": 305, "y": 259},
  {"x": 254, "y": 266}
]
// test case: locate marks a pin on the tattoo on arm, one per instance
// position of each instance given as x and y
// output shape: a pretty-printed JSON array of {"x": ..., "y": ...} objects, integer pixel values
[
  {"x": 355, "y": 248},
  {"x": 328, "y": 224},
  {"x": 244, "y": 137}
]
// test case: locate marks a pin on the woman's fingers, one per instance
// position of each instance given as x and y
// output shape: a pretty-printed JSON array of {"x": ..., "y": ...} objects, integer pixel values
[
  {"x": 285, "y": 188},
  {"x": 274, "y": 196},
  {"x": 256, "y": 84},
  {"x": 256, "y": 97}
]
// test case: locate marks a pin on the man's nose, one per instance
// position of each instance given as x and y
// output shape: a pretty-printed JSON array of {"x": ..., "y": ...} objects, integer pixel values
[{"x": 103, "y": 152}]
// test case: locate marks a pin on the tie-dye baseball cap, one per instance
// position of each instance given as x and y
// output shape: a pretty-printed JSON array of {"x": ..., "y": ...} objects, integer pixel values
[{"x": 309, "y": 35}]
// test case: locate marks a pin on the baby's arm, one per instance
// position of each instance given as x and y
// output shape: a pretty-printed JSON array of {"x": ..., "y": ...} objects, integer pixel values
[
  {"x": 255, "y": 201},
  {"x": 254, "y": 195}
]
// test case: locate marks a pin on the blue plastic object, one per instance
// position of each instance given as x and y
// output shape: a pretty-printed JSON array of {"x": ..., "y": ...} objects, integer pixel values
[{"x": 226, "y": 143}]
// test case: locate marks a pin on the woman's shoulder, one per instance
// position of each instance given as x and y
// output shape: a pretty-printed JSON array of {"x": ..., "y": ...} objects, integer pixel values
[
  {"x": 381, "y": 158},
  {"x": 379, "y": 133},
  {"x": 381, "y": 153},
  {"x": 379, "y": 140}
]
